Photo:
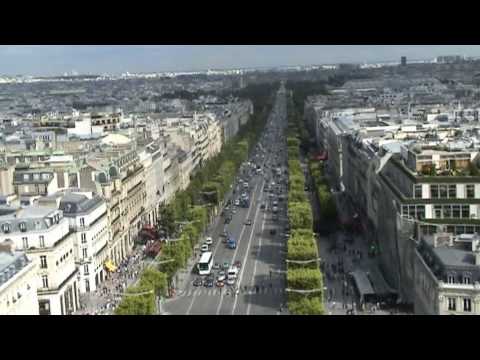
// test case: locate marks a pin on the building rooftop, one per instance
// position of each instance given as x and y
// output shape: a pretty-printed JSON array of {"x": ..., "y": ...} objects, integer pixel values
[
  {"x": 454, "y": 257},
  {"x": 10, "y": 264},
  {"x": 74, "y": 204}
]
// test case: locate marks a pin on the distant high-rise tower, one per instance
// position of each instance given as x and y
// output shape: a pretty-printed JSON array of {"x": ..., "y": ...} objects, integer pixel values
[{"x": 404, "y": 60}]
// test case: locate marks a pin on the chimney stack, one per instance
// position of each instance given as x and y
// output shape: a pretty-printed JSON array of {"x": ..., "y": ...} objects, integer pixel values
[{"x": 7, "y": 246}]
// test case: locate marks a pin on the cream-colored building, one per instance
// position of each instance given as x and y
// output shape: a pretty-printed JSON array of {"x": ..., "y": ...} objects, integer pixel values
[
  {"x": 120, "y": 179},
  {"x": 447, "y": 275},
  {"x": 44, "y": 234},
  {"x": 18, "y": 280}
]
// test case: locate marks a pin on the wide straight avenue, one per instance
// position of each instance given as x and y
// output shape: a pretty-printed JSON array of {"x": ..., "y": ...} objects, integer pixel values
[{"x": 259, "y": 288}]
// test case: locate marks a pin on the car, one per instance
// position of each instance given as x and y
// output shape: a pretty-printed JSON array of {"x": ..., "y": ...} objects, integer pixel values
[
  {"x": 262, "y": 207},
  {"x": 238, "y": 264},
  {"x": 234, "y": 211},
  {"x": 226, "y": 265},
  {"x": 220, "y": 284},
  {"x": 204, "y": 248},
  {"x": 231, "y": 281},
  {"x": 224, "y": 233},
  {"x": 227, "y": 220},
  {"x": 221, "y": 276},
  {"x": 198, "y": 282},
  {"x": 248, "y": 223},
  {"x": 237, "y": 202},
  {"x": 208, "y": 283},
  {"x": 208, "y": 241}
]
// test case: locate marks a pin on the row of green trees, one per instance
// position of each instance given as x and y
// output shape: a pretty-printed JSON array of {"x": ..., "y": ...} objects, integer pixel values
[
  {"x": 187, "y": 216},
  {"x": 325, "y": 198},
  {"x": 301, "y": 246}
]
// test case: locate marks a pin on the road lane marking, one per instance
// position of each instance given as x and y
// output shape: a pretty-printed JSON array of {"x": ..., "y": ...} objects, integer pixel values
[
  {"x": 238, "y": 243},
  {"x": 256, "y": 260},
  {"x": 248, "y": 252}
]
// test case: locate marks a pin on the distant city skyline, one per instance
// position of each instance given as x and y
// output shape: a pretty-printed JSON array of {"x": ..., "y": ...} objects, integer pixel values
[{"x": 52, "y": 60}]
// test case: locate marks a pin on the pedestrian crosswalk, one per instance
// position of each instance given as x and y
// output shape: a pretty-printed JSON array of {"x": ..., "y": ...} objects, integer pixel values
[{"x": 192, "y": 292}]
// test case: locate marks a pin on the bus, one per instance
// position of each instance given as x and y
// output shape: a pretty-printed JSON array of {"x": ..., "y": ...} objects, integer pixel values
[{"x": 205, "y": 264}]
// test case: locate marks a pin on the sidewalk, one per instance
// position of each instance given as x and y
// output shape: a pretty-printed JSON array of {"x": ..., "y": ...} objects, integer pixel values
[{"x": 109, "y": 294}]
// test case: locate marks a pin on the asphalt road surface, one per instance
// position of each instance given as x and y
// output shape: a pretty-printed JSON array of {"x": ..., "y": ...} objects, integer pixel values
[{"x": 261, "y": 279}]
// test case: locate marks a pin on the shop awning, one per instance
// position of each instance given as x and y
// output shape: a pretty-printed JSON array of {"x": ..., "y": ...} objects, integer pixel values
[{"x": 110, "y": 266}]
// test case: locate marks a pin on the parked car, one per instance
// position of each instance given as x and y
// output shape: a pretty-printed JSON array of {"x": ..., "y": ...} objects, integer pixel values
[
  {"x": 220, "y": 284},
  {"x": 221, "y": 276},
  {"x": 204, "y": 248},
  {"x": 238, "y": 264},
  {"x": 216, "y": 266},
  {"x": 208, "y": 241},
  {"x": 198, "y": 282},
  {"x": 248, "y": 222},
  {"x": 208, "y": 283}
]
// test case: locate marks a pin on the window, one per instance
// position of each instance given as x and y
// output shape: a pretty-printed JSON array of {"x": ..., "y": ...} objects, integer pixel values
[
  {"x": 418, "y": 191},
  {"x": 447, "y": 211},
  {"x": 45, "y": 281},
  {"x": 36, "y": 177},
  {"x": 434, "y": 191},
  {"x": 443, "y": 191},
  {"x": 25, "y": 243},
  {"x": 42, "y": 241},
  {"x": 467, "y": 305},
  {"x": 6, "y": 228},
  {"x": 43, "y": 262},
  {"x": 84, "y": 253},
  {"x": 438, "y": 211},
  {"x": 25, "y": 177},
  {"x": 420, "y": 212},
  {"x": 84, "y": 238},
  {"x": 467, "y": 279},
  {"x": 465, "y": 211},
  {"x": 452, "y": 304},
  {"x": 85, "y": 269},
  {"x": 82, "y": 222},
  {"x": 452, "y": 191},
  {"x": 456, "y": 211},
  {"x": 470, "y": 191},
  {"x": 451, "y": 279}
]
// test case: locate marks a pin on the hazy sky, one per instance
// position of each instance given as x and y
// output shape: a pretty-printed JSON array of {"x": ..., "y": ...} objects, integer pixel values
[{"x": 57, "y": 59}]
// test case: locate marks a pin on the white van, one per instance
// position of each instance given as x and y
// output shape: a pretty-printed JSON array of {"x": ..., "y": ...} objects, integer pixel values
[{"x": 232, "y": 273}]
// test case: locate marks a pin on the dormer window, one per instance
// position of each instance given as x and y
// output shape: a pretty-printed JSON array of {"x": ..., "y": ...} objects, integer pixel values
[
  {"x": 451, "y": 278},
  {"x": 22, "y": 226},
  {"x": 467, "y": 278},
  {"x": 6, "y": 228}
]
